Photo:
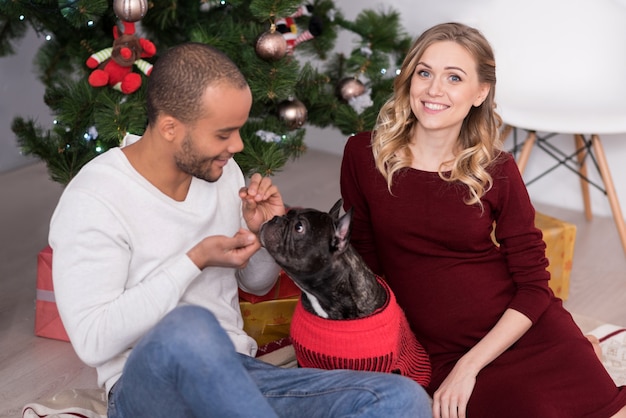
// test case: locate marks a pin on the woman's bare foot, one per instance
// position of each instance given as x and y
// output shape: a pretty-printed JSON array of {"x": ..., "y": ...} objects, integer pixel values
[{"x": 596, "y": 345}]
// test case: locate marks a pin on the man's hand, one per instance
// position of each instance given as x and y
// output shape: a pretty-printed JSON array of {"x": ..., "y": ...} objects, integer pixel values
[
  {"x": 261, "y": 201},
  {"x": 222, "y": 251}
]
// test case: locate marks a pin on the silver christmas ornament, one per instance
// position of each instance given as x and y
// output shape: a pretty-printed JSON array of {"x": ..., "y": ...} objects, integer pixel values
[
  {"x": 271, "y": 45},
  {"x": 130, "y": 10},
  {"x": 349, "y": 88},
  {"x": 293, "y": 113}
]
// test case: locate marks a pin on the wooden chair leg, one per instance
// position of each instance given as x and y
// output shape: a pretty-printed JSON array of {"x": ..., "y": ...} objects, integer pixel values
[
  {"x": 582, "y": 169},
  {"x": 610, "y": 188},
  {"x": 525, "y": 152}
]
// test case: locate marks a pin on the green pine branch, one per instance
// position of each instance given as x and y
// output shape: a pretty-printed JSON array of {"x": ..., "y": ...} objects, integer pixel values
[
  {"x": 11, "y": 30},
  {"x": 91, "y": 120}
]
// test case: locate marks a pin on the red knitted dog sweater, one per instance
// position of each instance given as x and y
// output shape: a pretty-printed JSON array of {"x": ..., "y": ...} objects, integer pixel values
[{"x": 381, "y": 342}]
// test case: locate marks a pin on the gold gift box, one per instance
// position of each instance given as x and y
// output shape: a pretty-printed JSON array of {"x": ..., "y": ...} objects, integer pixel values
[
  {"x": 268, "y": 321},
  {"x": 560, "y": 237}
]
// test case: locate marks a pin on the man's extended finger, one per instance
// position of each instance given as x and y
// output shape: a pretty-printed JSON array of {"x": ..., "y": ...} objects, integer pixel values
[{"x": 253, "y": 186}]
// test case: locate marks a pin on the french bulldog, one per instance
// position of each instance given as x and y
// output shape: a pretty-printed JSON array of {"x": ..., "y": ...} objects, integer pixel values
[
  {"x": 313, "y": 248},
  {"x": 347, "y": 317}
]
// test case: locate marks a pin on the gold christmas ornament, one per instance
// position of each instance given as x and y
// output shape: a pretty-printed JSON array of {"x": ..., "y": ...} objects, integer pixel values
[
  {"x": 349, "y": 88},
  {"x": 293, "y": 113},
  {"x": 130, "y": 10},
  {"x": 271, "y": 45}
]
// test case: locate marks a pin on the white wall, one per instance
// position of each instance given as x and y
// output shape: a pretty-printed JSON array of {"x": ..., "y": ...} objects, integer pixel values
[
  {"x": 21, "y": 94},
  {"x": 559, "y": 188}
]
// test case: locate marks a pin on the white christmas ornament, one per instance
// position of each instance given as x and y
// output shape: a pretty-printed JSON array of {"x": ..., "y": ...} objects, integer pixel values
[{"x": 267, "y": 136}]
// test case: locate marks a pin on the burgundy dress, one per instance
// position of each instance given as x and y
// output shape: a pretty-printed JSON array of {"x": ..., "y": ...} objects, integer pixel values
[{"x": 454, "y": 284}]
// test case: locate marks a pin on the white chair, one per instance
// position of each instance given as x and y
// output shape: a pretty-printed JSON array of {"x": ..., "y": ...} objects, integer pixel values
[{"x": 562, "y": 70}]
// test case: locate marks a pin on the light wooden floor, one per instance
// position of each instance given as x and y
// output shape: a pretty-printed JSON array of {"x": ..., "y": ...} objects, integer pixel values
[{"x": 32, "y": 367}]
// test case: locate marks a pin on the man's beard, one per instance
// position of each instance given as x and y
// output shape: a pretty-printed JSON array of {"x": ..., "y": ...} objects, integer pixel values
[{"x": 188, "y": 161}]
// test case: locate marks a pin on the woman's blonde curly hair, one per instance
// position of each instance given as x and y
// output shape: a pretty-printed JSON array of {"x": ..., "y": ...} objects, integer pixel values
[{"x": 479, "y": 140}]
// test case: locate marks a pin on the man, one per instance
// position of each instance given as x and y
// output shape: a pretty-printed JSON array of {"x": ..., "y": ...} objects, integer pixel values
[{"x": 151, "y": 242}]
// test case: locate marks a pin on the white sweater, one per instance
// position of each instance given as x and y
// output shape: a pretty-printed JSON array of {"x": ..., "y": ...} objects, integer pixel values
[{"x": 120, "y": 264}]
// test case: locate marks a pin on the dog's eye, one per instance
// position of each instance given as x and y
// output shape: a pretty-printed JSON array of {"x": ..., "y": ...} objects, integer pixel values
[{"x": 299, "y": 227}]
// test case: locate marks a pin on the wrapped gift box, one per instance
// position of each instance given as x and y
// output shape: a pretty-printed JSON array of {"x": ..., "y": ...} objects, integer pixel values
[
  {"x": 267, "y": 318},
  {"x": 283, "y": 289},
  {"x": 560, "y": 238},
  {"x": 47, "y": 321},
  {"x": 268, "y": 321}
]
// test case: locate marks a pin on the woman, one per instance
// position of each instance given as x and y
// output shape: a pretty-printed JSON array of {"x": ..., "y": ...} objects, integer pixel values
[{"x": 427, "y": 187}]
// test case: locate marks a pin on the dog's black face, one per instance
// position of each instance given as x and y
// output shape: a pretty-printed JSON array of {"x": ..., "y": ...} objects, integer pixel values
[
  {"x": 313, "y": 248},
  {"x": 304, "y": 241}
]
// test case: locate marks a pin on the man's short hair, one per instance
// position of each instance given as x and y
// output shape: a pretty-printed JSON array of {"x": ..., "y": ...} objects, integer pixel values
[{"x": 180, "y": 77}]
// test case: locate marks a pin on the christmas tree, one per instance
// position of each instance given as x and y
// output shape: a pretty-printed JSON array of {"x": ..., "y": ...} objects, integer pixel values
[{"x": 285, "y": 48}]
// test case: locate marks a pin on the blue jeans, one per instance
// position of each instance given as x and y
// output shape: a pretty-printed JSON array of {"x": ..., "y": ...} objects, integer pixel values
[{"x": 186, "y": 366}]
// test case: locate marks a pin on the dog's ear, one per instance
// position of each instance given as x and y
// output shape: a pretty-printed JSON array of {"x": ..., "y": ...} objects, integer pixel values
[
  {"x": 342, "y": 232},
  {"x": 334, "y": 211}
]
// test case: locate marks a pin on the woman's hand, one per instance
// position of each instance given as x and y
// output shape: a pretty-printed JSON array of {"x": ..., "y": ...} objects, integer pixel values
[
  {"x": 261, "y": 201},
  {"x": 450, "y": 400}
]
